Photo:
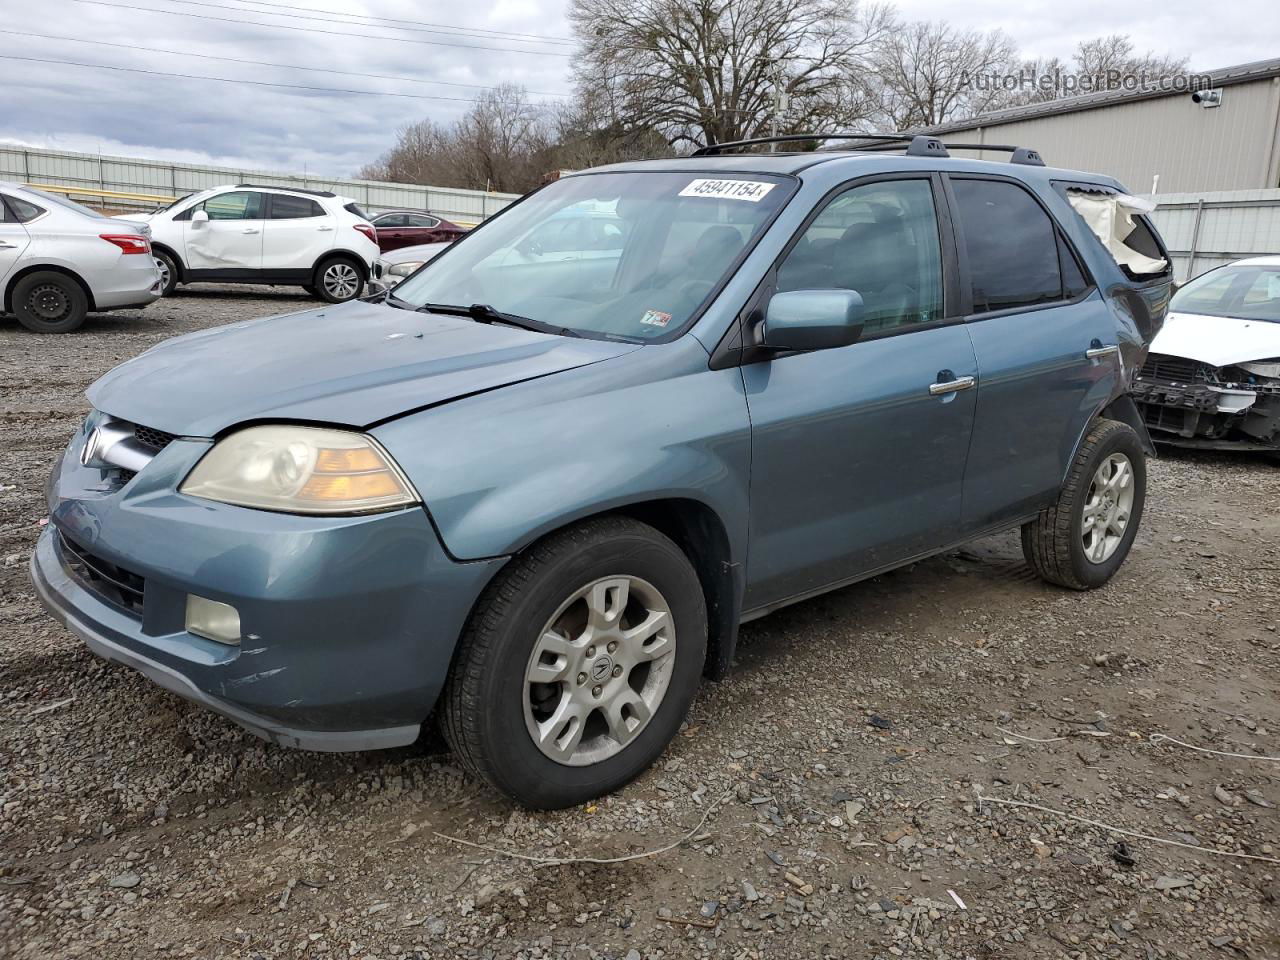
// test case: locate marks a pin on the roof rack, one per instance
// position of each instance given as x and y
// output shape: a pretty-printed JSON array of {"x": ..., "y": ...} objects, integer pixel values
[
  {"x": 918, "y": 145},
  {"x": 1024, "y": 155},
  {"x": 276, "y": 186}
]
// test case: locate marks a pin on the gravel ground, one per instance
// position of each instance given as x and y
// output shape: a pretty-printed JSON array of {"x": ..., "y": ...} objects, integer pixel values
[{"x": 829, "y": 791}]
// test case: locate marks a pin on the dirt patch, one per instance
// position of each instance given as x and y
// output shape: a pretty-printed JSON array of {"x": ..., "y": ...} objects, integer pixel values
[{"x": 844, "y": 761}]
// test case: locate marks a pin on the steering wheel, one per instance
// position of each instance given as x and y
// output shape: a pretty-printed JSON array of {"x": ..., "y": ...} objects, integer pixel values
[{"x": 695, "y": 291}]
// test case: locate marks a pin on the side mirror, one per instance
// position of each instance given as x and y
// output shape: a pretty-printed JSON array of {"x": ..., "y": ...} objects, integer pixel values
[
  {"x": 199, "y": 217},
  {"x": 813, "y": 319}
]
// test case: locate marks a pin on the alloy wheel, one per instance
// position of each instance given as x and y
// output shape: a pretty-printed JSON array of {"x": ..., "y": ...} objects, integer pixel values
[
  {"x": 1107, "y": 508},
  {"x": 163, "y": 266},
  {"x": 599, "y": 670},
  {"x": 341, "y": 281}
]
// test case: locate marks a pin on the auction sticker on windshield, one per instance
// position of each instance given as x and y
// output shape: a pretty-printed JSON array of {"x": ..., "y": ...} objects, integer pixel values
[{"x": 751, "y": 190}]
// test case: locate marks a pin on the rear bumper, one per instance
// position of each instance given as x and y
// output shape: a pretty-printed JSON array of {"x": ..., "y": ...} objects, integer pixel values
[
  {"x": 348, "y": 624},
  {"x": 133, "y": 282}
]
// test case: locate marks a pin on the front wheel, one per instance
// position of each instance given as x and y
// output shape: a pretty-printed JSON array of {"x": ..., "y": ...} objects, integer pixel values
[
  {"x": 168, "y": 272},
  {"x": 338, "y": 280},
  {"x": 579, "y": 664},
  {"x": 1080, "y": 541}
]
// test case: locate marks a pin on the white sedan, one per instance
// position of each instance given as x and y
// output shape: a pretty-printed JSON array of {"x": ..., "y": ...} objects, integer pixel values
[
  {"x": 1212, "y": 378},
  {"x": 394, "y": 265},
  {"x": 59, "y": 260}
]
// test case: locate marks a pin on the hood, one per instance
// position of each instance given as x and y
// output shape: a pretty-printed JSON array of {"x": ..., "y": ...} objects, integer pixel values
[
  {"x": 355, "y": 364},
  {"x": 1217, "y": 341}
]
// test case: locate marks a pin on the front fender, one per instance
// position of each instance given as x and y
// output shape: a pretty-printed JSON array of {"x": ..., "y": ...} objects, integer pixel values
[{"x": 499, "y": 470}]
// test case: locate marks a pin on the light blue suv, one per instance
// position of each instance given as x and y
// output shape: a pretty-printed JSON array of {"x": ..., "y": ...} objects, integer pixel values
[{"x": 537, "y": 496}]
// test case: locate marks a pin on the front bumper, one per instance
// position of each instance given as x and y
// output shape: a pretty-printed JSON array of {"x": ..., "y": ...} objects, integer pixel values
[{"x": 348, "y": 623}]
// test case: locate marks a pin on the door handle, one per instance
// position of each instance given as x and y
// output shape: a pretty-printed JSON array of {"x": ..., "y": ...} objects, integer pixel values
[
  {"x": 252, "y": 230},
  {"x": 1093, "y": 353},
  {"x": 323, "y": 229},
  {"x": 5, "y": 245},
  {"x": 943, "y": 387}
]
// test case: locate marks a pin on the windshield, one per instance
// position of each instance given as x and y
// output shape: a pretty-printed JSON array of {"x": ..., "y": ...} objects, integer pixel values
[
  {"x": 1247, "y": 292},
  {"x": 68, "y": 204},
  {"x": 630, "y": 255},
  {"x": 172, "y": 203}
]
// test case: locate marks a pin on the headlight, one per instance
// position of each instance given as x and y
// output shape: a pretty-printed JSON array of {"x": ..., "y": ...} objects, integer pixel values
[
  {"x": 404, "y": 269},
  {"x": 300, "y": 470}
]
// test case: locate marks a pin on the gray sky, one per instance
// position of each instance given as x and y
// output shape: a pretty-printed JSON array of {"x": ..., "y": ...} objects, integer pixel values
[{"x": 133, "y": 114}]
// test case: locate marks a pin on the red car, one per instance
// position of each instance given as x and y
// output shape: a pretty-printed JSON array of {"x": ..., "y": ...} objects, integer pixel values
[{"x": 407, "y": 228}]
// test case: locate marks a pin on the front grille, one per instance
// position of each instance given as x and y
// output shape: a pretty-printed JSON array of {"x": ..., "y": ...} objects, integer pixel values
[
  {"x": 157, "y": 440},
  {"x": 118, "y": 586},
  {"x": 1161, "y": 366}
]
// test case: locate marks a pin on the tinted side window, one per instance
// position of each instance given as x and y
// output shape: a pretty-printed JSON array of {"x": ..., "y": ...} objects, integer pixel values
[
  {"x": 241, "y": 205},
  {"x": 391, "y": 220},
  {"x": 880, "y": 239},
  {"x": 417, "y": 221},
  {"x": 285, "y": 207},
  {"x": 1012, "y": 246},
  {"x": 1074, "y": 281},
  {"x": 19, "y": 210}
]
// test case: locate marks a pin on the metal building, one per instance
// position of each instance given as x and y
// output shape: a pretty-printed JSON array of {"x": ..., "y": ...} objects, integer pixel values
[{"x": 1137, "y": 136}]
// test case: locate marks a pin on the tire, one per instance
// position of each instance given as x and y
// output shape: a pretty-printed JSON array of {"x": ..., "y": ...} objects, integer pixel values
[
  {"x": 168, "y": 271},
  {"x": 491, "y": 709},
  {"x": 1057, "y": 545},
  {"x": 49, "y": 302},
  {"x": 338, "y": 279}
]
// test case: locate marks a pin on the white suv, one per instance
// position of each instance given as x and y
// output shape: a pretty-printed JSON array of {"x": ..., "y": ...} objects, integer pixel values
[{"x": 258, "y": 234}]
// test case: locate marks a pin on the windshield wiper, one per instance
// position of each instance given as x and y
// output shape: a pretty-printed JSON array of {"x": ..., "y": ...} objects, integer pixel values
[{"x": 486, "y": 313}]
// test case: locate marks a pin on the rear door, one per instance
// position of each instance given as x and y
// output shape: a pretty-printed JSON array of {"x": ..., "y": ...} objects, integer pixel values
[
  {"x": 298, "y": 232},
  {"x": 230, "y": 242},
  {"x": 858, "y": 453},
  {"x": 13, "y": 239},
  {"x": 1046, "y": 344}
]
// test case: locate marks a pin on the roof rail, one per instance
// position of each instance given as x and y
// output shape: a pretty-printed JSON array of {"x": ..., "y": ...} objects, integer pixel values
[
  {"x": 918, "y": 145},
  {"x": 276, "y": 186}
]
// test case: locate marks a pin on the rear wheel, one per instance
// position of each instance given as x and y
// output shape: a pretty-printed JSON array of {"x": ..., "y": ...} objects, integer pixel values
[
  {"x": 579, "y": 664},
  {"x": 1080, "y": 541},
  {"x": 338, "y": 280},
  {"x": 49, "y": 302}
]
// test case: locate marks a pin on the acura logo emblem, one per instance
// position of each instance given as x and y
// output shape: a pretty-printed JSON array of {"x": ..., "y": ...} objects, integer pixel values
[{"x": 601, "y": 668}]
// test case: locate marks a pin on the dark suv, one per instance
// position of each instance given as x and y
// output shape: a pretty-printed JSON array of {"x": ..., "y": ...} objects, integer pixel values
[{"x": 537, "y": 495}]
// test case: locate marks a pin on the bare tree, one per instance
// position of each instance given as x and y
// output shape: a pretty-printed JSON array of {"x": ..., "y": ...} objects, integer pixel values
[
  {"x": 1108, "y": 59},
  {"x": 929, "y": 72},
  {"x": 1104, "y": 63},
  {"x": 502, "y": 143},
  {"x": 708, "y": 71}
]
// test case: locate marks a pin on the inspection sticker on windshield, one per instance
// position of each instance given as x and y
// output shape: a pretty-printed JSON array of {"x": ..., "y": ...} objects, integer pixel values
[
  {"x": 750, "y": 190},
  {"x": 656, "y": 318}
]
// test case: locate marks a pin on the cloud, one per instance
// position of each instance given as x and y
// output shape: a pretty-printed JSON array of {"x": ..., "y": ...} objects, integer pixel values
[{"x": 260, "y": 127}]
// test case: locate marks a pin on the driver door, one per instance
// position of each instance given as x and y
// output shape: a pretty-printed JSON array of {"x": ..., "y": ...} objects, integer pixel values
[
  {"x": 858, "y": 452},
  {"x": 230, "y": 241}
]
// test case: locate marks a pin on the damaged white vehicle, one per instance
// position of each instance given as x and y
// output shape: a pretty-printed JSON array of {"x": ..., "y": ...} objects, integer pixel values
[{"x": 1212, "y": 378}]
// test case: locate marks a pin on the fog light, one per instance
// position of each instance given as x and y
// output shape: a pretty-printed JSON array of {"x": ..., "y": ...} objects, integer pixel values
[{"x": 213, "y": 620}]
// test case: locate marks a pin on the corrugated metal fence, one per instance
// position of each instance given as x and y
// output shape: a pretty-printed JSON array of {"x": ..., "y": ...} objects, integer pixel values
[
  {"x": 1204, "y": 230},
  {"x": 154, "y": 178}
]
